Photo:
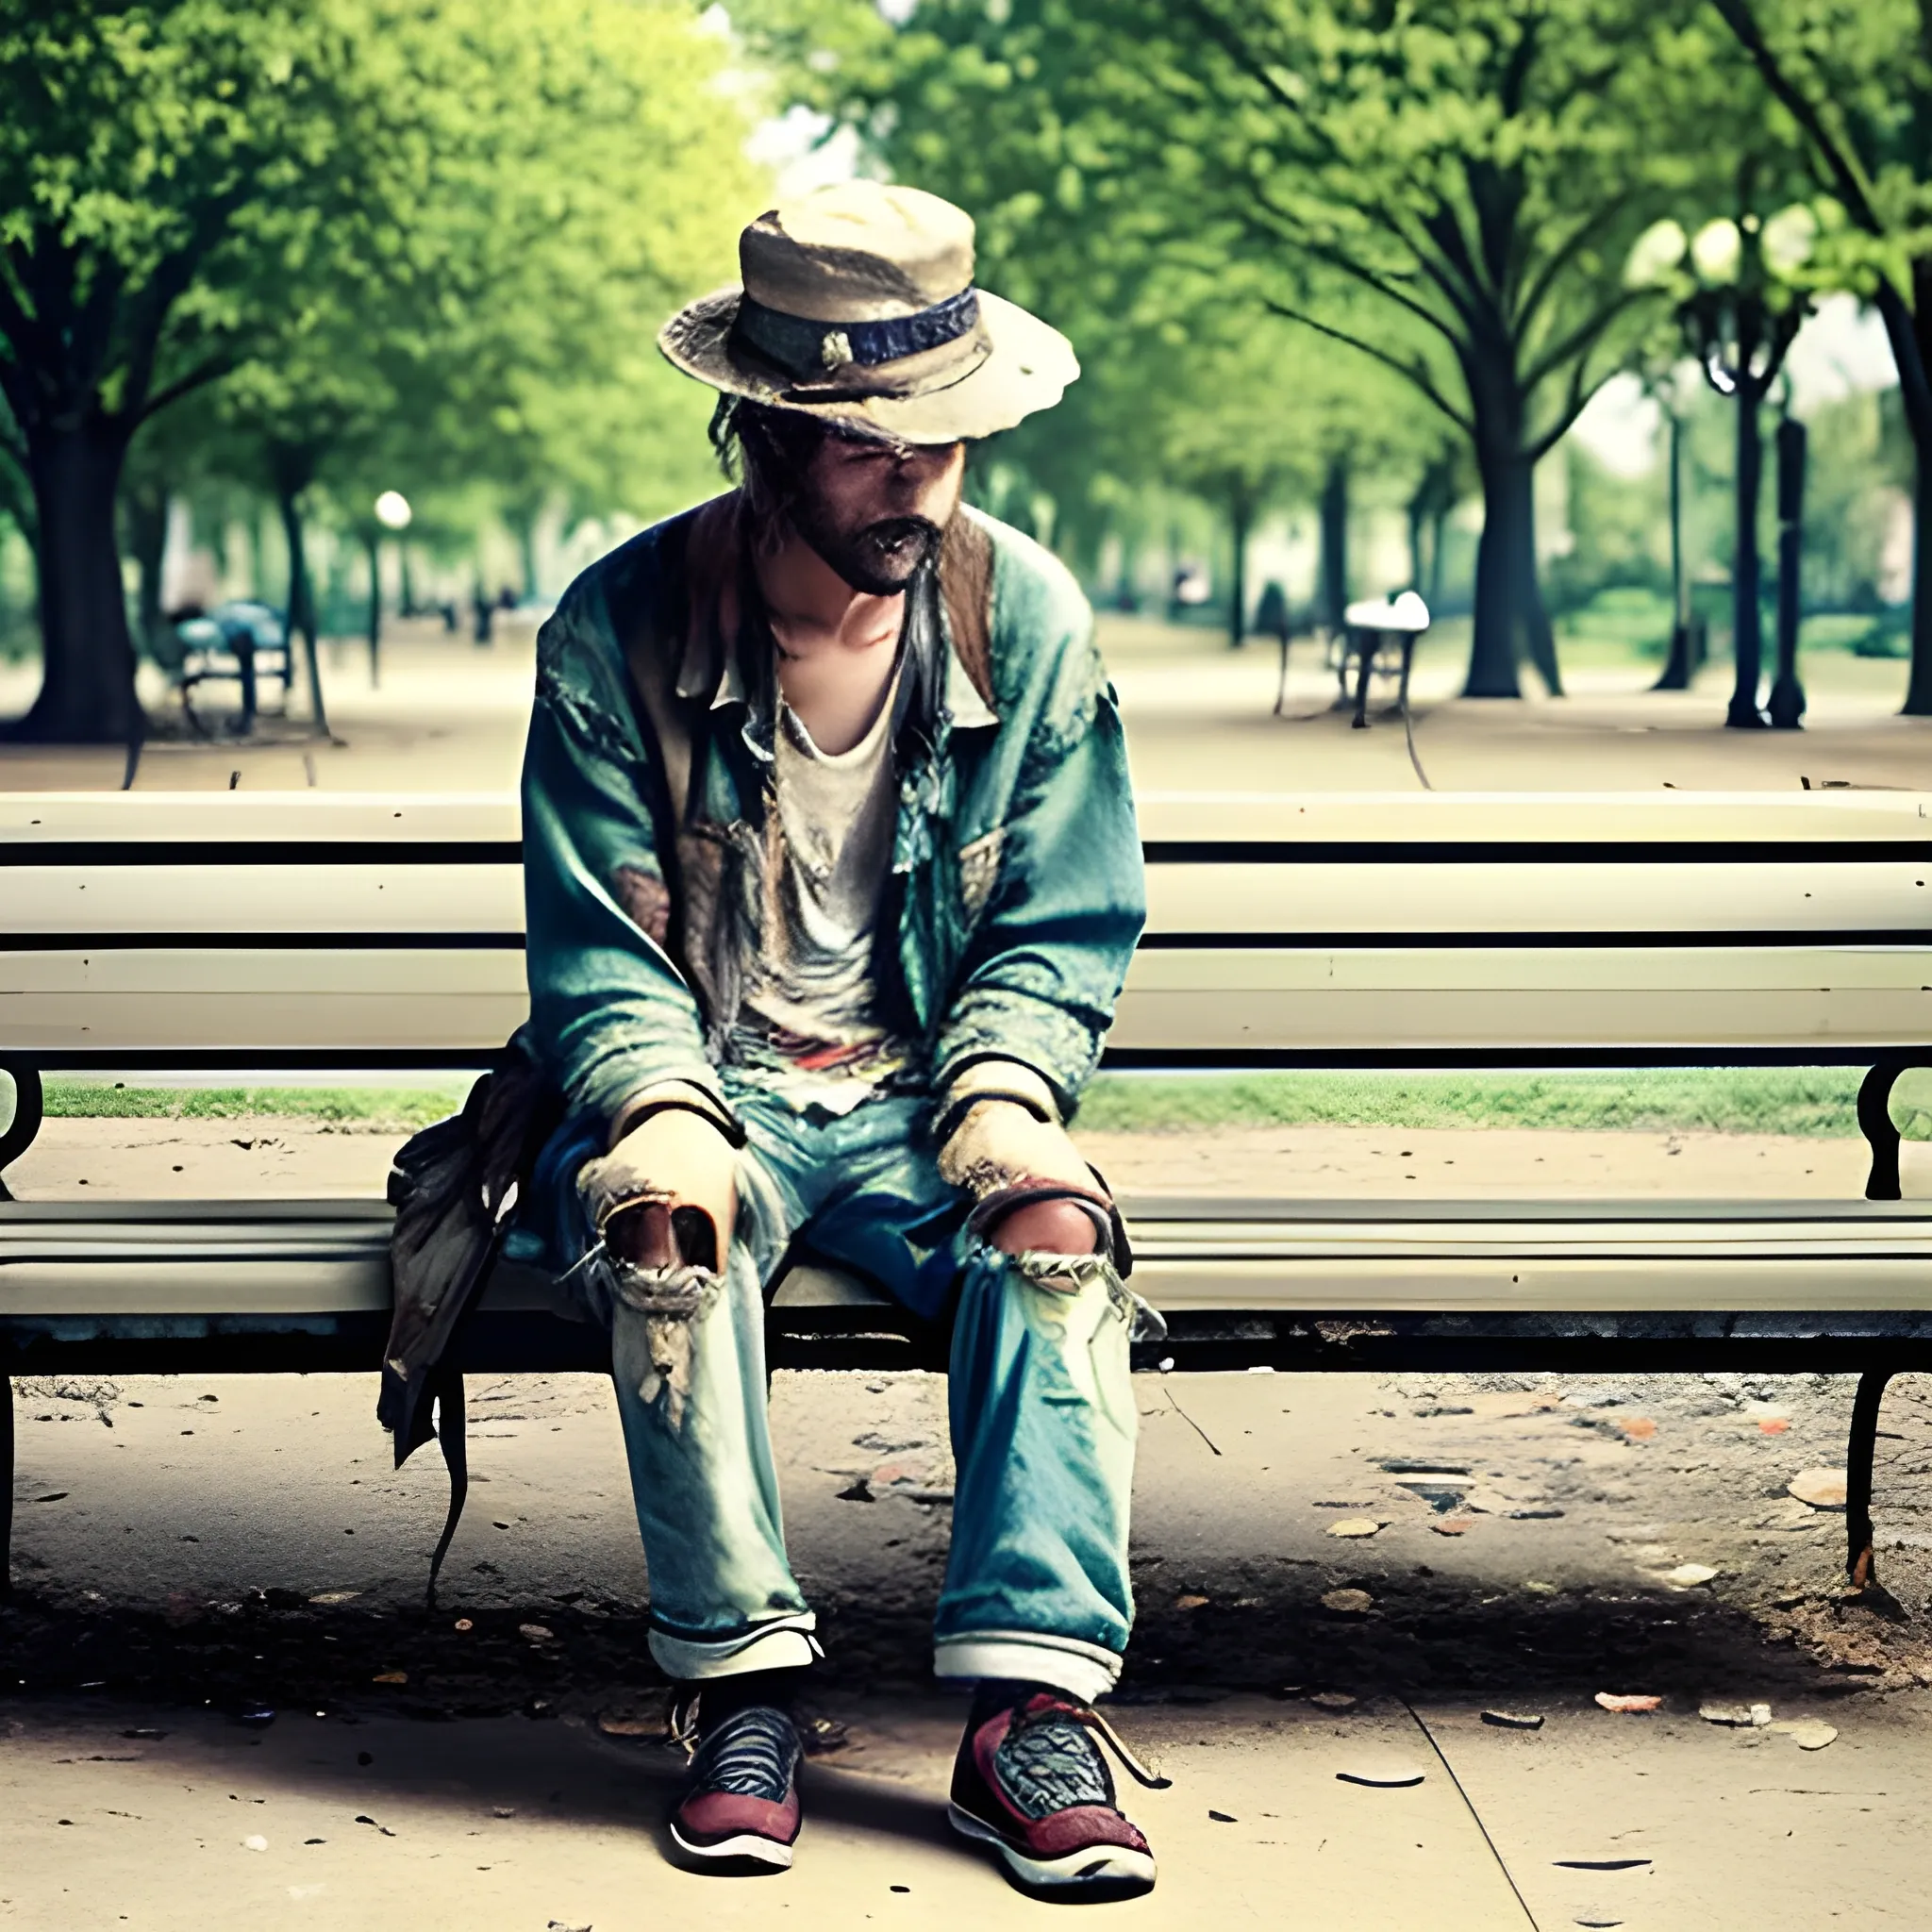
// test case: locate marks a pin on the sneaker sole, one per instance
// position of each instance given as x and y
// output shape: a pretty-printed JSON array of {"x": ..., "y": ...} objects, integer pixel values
[
  {"x": 745, "y": 1852},
  {"x": 1099, "y": 1872}
]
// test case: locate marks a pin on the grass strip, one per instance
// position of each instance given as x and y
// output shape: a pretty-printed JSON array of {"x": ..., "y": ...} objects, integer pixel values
[
  {"x": 1770, "y": 1100},
  {"x": 1810, "y": 1101},
  {"x": 362, "y": 1107}
]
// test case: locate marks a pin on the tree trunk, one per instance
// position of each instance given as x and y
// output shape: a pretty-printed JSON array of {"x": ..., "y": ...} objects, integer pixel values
[
  {"x": 87, "y": 688},
  {"x": 1332, "y": 591},
  {"x": 1918, "y": 702},
  {"x": 300, "y": 613},
  {"x": 1747, "y": 617},
  {"x": 1511, "y": 623},
  {"x": 1682, "y": 664},
  {"x": 526, "y": 551},
  {"x": 1240, "y": 515}
]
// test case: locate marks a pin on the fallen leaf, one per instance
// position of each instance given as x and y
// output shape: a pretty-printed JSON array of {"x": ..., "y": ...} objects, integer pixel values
[
  {"x": 1347, "y": 1603},
  {"x": 1391, "y": 1775},
  {"x": 1688, "y": 1576},
  {"x": 1612, "y": 1700},
  {"x": 1355, "y": 1525},
  {"x": 336, "y": 1597},
  {"x": 464, "y": 1623},
  {"x": 1454, "y": 1526},
  {"x": 1190, "y": 1602},
  {"x": 1773, "y": 1426},
  {"x": 1223, "y": 1817},
  {"x": 1823, "y": 1489},
  {"x": 1616, "y": 1862},
  {"x": 1640, "y": 1428},
  {"x": 1806, "y": 1733},
  {"x": 1335, "y": 1700},
  {"x": 1742, "y": 1716},
  {"x": 1515, "y": 1720},
  {"x": 390, "y": 1677}
]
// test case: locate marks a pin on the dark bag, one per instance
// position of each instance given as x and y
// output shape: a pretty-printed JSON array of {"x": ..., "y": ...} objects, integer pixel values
[{"x": 454, "y": 1186}]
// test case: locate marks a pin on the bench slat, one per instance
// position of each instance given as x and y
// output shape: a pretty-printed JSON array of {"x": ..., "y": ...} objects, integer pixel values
[{"x": 459, "y": 1001}]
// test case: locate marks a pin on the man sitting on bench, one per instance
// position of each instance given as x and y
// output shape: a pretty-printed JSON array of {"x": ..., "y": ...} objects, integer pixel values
[{"x": 833, "y": 880}]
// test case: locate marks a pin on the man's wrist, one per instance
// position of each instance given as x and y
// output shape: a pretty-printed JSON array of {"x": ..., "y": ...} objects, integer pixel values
[{"x": 683, "y": 1095}]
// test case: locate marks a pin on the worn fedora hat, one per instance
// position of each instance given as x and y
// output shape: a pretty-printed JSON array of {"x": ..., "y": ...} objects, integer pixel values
[{"x": 857, "y": 303}]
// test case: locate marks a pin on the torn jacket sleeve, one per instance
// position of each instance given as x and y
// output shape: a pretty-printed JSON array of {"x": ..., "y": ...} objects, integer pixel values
[
  {"x": 1046, "y": 966},
  {"x": 612, "y": 1014}
]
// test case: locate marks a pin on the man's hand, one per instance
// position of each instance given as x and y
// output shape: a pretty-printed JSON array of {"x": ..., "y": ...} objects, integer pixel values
[
  {"x": 1000, "y": 1144},
  {"x": 673, "y": 1164}
]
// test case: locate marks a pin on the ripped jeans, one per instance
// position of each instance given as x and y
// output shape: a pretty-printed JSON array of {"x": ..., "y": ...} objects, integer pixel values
[{"x": 1042, "y": 1406}]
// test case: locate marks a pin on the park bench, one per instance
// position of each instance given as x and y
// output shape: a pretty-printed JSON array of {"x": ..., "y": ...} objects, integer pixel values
[
  {"x": 1377, "y": 639},
  {"x": 239, "y": 933}
]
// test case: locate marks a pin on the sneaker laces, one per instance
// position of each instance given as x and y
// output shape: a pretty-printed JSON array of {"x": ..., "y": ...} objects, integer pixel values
[
  {"x": 753, "y": 1753},
  {"x": 1091, "y": 1720}
]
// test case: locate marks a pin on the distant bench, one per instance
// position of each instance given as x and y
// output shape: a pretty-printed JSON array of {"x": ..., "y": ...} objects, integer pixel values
[{"x": 256, "y": 933}]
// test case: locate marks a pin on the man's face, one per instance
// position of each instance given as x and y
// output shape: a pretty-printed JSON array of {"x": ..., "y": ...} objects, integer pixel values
[{"x": 876, "y": 511}]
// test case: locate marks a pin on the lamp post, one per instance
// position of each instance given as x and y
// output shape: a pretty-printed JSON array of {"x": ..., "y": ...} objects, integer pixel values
[
  {"x": 1738, "y": 321},
  {"x": 392, "y": 512}
]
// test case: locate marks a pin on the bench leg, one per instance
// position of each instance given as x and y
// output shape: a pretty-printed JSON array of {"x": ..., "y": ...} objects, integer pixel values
[
  {"x": 28, "y": 1115},
  {"x": 5, "y": 1485},
  {"x": 1361, "y": 683},
  {"x": 1859, "y": 1451}
]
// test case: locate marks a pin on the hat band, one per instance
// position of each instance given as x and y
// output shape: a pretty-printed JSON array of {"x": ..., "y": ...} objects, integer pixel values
[{"x": 816, "y": 348}]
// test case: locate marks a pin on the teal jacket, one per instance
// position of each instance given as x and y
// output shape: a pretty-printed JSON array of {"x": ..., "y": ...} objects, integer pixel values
[{"x": 1017, "y": 893}]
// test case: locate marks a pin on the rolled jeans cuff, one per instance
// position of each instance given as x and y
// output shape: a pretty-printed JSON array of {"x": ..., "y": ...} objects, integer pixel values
[
  {"x": 782, "y": 1643},
  {"x": 1084, "y": 1671}
]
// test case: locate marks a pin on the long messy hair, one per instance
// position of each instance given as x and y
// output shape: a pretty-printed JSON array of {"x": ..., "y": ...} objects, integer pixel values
[{"x": 768, "y": 452}]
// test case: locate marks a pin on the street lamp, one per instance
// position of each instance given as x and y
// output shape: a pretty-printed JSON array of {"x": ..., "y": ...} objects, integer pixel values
[
  {"x": 1738, "y": 321},
  {"x": 393, "y": 513}
]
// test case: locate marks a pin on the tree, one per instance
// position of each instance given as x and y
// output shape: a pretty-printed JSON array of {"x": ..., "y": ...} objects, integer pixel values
[
  {"x": 1855, "y": 77},
  {"x": 368, "y": 217},
  {"x": 150, "y": 159},
  {"x": 1476, "y": 168}
]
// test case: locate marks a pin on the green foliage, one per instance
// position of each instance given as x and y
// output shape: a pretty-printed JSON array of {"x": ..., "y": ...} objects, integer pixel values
[{"x": 1472, "y": 171}]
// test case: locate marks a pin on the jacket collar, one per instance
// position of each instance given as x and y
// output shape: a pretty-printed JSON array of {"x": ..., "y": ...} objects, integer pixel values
[{"x": 711, "y": 667}]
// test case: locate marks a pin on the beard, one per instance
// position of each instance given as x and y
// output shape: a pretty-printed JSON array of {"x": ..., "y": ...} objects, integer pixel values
[{"x": 879, "y": 559}]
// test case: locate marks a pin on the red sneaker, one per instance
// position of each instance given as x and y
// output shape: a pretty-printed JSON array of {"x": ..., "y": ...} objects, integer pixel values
[
  {"x": 739, "y": 1813},
  {"x": 1031, "y": 1782}
]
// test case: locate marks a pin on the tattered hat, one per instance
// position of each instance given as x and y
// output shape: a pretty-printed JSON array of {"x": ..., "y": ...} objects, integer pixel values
[{"x": 857, "y": 303}]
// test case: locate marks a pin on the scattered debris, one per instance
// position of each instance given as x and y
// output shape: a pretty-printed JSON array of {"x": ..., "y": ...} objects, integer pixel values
[
  {"x": 1347, "y": 1603},
  {"x": 1613, "y": 1700},
  {"x": 1515, "y": 1720},
  {"x": 390, "y": 1677},
  {"x": 822, "y": 1736},
  {"x": 257, "y": 1716},
  {"x": 144, "y": 1731},
  {"x": 1617, "y": 1861},
  {"x": 1222, "y": 1817},
  {"x": 464, "y": 1623},
  {"x": 1688, "y": 1576},
  {"x": 537, "y": 1633},
  {"x": 558, "y": 1925},
  {"x": 1640, "y": 1428},
  {"x": 861, "y": 1491},
  {"x": 1355, "y": 1525},
  {"x": 328, "y": 1598},
  {"x": 1335, "y": 1700},
  {"x": 1773, "y": 1426},
  {"x": 1386, "y": 1775},
  {"x": 1752, "y": 1716},
  {"x": 255, "y": 1842},
  {"x": 1806, "y": 1733},
  {"x": 1454, "y": 1526},
  {"x": 1823, "y": 1489},
  {"x": 1190, "y": 1600}
]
